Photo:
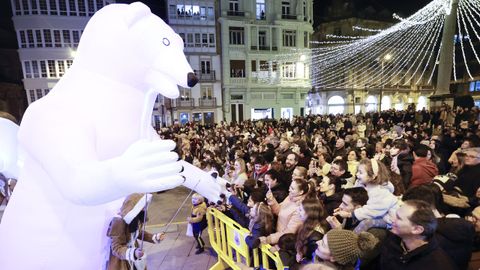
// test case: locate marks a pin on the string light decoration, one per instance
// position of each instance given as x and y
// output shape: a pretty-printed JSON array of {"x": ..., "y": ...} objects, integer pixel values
[{"x": 412, "y": 45}]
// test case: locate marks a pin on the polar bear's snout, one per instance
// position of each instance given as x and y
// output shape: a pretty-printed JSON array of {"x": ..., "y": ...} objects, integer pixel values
[{"x": 192, "y": 79}]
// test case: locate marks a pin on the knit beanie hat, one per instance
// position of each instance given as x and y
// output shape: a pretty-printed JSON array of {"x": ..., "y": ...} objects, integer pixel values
[{"x": 346, "y": 246}]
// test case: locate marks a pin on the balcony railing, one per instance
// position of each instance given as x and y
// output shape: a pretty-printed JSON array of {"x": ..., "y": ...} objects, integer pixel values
[
  {"x": 207, "y": 102},
  {"x": 289, "y": 17},
  {"x": 235, "y": 13},
  {"x": 204, "y": 77},
  {"x": 184, "y": 103}
]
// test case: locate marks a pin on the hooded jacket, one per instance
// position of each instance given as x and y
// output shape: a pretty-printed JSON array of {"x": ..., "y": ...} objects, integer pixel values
[
  {"x": 124, "y": 243},
  {"x": 423, "y": 171}
]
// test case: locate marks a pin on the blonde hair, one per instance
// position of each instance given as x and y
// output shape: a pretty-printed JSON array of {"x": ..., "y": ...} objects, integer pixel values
[
  {"x": 198, "y": 197},
  {"x": 243, "y": 168},
  {"x": 376, "y": 171}
]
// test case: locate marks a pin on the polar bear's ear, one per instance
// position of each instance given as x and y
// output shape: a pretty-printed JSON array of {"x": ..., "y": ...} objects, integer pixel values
[{"x": 136, "y": 12}]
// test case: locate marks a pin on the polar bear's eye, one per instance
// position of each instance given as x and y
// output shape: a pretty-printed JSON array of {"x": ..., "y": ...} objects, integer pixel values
[{"x": 166, "y": 42}]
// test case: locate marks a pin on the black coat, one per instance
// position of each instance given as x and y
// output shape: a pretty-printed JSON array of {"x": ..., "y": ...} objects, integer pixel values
[
  {"x": 404, "y": 163},
  {"x": 469, "y": 180},
  {"x": 455, "y": 236},
  {"x": 428, "y": 256}
]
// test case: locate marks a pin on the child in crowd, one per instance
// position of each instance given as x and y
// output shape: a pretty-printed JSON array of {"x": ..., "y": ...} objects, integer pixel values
[
  {"x": 373, "y": 175},
  {"x": 125, "y": 230},
  {"x": 261, "y": 224},
  {"x": 198, "y": 220},
  {"x": 287, "y": 251}
]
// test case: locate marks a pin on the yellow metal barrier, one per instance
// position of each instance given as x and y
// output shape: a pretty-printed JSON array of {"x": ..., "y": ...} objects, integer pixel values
[{"x": 227, "y": 238}]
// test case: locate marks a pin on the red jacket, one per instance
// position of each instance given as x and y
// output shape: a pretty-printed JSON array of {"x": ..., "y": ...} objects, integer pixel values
[{"x": 423, "y": 171}]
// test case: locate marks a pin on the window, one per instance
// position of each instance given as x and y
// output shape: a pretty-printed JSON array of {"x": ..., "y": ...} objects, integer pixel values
[
  {"x": 23, "y": 39},
  {"x": 236, "y": 97},
  {"x": 53, "y": 7},
  {"x": 72, "y": 7},
  {"x": 262, "y": 39},
  {"x": 47, "y": 36},
  {"x": 211, "y": 40},
  {"x": 34, "y": 7},
  {"x": 260, "y": 11},
  {"x": 39, "y": 93},
  {"x": 172, "y": 11},
  {"x": 254, "y": 65},
  {"x": 237, "y": 68},
  {"x": 205, "y": 66},
  {"x": 31, "y": 42},
  {"x": 43, "y": 7},
  {"x": 189, "y": 40},
  {"x": 288, "y": 70},
  {"x": 263, "y": 65},
  {"x": 285, "y": 8},
  {"x": 57, "y": 38},
  {"x": 206, "y": 92},
  {"x": 43, "y": 69},
  {"x": 36, "y": 73},
  {"x": 32, "y": 95},
  {"x": 81, "y": 8},
  {"x": 46, "y": 91},
  {"x": 203, "y": 13},
  {"x": 236, "y": 35},
  {"x": 76, "y": 37},
  {"x": 99, "y": 4},
  {"x": 66, "y": 38},
  {"x": 91, "y": 8},
  {"x": 52, "y": 71},
  {"x": 197, "y": 39},
  {"x": 26, "y": 10},
  {"x": 204, "y": 40},
  {"x": 63, "y": 7},
  {"x": 18, "y": 8},
  {"x": 61, "y": 68},
  {"x": 289, "y": 38},
  {"x": 69, "y": 63},
  {"x": 28, "y": 69},
  {"x": 38, "y": 38},
  {"x": 210, "y": 14},
  {"x": 185, "y": 93},
  {"x": 305, "y": 39},
  {"x": 233, "y": 5}
]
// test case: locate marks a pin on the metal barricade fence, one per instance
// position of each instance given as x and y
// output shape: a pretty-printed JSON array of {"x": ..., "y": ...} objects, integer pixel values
[{"x": 227, "y": 238}]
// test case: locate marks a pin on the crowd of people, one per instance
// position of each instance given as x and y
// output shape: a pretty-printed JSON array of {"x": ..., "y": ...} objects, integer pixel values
[{"x": 389, "y": 190}]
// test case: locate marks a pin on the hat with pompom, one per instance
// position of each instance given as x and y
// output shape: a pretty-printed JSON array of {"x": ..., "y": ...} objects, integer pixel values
[{"x": 347, "y": 247}]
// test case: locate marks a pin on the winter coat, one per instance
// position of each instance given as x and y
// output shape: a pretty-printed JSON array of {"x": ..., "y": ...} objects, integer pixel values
[
  {"x": 124, "y": 243},
  {"x": 455, "y": 236},
  {"x": 253, "y": 240},
  {"x": 381, "y": 204},
  {"x": 288, "y": 220},
  {"x": 198, "y": 218},
  {"x": 423, "y": 171},
  {"x": 239, "y": 211},
  {"x": 428, "y": 256},
  {"x": 404, "y": 163},
  {"x": 469, "y": 180},
  {"x": 331, "y": 202}
]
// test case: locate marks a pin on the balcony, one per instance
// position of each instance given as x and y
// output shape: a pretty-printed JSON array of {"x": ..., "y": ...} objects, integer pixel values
[
  {"x": 207, "y": 102},
  {"x": 262, "y": 48},
  {"x": 289, "y": 17},
  {"x": 235, "y": 13},
  {"x": 184, "y": 103},
  {"x": 205, "y": 77}
]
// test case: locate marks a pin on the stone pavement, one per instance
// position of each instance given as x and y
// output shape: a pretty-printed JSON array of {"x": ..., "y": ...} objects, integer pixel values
[{"x": 177, "y": 251}]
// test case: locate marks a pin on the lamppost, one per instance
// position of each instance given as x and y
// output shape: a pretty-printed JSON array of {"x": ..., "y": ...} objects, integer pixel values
[{"x": 386, "y": 58}]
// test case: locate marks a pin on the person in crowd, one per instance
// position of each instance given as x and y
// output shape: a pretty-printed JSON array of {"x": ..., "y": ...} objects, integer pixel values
[
  {"x": 314, "y": 226},
  {"x": 340, "y": 150},
  {"x": 339, "y": 169},
  {"x": 323, "y": 165},
  {"x": 283, "y": 150},
  {"x": 125, "y": 230},
  {"x": 411, "y": 244},
  {"x": 299, "y": 173},
  {"x": 288, "y": 218},
  {"x": 353, "y": 198},
  {"x": 381, "y": 204},
  {"x": 260, "y": 168},
  {"x": 455, "y": 235},
  {"x": 352, "y": 161},
  {"x": 330, "y": 192},
  {"x": 457, "y": 161},
  {"x": 469, "y": 176},
  {"x": 240, "y": 172},
  {"x": 273, "y": 183},
  {"x": 290, "y": 164},
  {"x": 423, "y": 170},
  {"x": 261, "y": 224},
  {"x": 198, "y": 220},
  {"x": 239, "y": 210},
  {"x": 402, "y": 161},
  {"x": 341, "y": 249},
  {"x": 287, "y": 250}
]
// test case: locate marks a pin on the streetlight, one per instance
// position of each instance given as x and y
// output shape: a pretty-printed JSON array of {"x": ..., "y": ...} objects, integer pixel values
[{"x": 386, "y": 58}]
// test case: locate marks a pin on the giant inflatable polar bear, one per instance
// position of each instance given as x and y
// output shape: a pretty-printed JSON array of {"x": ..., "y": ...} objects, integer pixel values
[{"x": 89, "y": 143}]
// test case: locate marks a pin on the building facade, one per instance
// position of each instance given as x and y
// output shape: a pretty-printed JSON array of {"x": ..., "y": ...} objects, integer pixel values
[
  {"x": 263, "y": 75},
  {"x": 195, "y": 22},
  {"x": 48, "y": 33}
]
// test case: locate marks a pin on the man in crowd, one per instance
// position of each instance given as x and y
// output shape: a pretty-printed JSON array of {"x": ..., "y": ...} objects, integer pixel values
[
  {"x": 423, "y": 169},
  {"x": 290, "y": 164},
  {"x": 411, "y": 244},
  {"x": 469, "y": 177},
  {"x": 272, "y": 182}
]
